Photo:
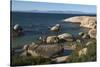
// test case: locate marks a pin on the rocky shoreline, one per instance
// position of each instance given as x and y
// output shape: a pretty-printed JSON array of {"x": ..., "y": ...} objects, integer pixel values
[
  {"x": 84, "y": 21},
  {"x": 54, "y": 46}
]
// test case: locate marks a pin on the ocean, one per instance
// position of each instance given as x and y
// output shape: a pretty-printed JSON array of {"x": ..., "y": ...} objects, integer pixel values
[{"x": 37, "y": 24}]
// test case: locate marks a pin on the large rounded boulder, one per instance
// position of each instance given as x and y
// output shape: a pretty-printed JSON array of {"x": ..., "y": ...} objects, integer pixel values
[
  {"x": 52, "y": 39},
  {"x": 17, "y": 30},
  {"x": 65, "y": 36}
]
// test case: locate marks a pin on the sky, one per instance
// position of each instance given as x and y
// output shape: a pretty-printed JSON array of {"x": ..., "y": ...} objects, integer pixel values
[
  {"x": 88, "y": 2},
  {"x": 18, "y": 5}
]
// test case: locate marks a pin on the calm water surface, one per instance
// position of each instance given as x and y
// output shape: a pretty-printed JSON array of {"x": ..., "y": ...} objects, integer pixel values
[{"x": 36, "y": 25}]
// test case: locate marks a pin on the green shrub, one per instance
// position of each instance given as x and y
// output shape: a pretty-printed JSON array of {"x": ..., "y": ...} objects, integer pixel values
[
  {"x": 91, "y": 53},
  {"x": 28, "y": 60}
]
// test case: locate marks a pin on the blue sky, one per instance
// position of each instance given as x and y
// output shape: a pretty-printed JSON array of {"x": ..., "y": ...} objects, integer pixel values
[{"x": 43, "y": 6}]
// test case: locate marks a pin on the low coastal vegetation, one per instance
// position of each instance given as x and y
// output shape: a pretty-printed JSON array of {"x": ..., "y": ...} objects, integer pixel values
[
  {"x": 73, "y": 57},
  {"x": 90, "y": 55},
  {"x": 29, "y": 60}
]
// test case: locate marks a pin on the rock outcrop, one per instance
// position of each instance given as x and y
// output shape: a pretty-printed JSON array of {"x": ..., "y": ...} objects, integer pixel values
[
  {"x": 76, "y": 19},
  {"x": 65, "y": 36},
  {"x": 45, "y": 51},
  {"x": 89, "y": 43},
  {"x": 55, "y": 28},
  {"x": 81, "y": 33},
  {"x": 82, "y": 52},
  {"x": 17, "y": 28},
  {"x": 16, "y": 31},
  {"x": 92, "y": 33},
  {"x": 52, "y": 39},
  {"x": 85, "y": 36},
  {"x": 88, "y": 22},
  {"x": 60, "y": 59},
  {"x": 85, "y": 21}
]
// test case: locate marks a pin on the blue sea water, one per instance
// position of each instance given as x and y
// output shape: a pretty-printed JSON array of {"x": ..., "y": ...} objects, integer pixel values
[{"x": 36, "y": 24}]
